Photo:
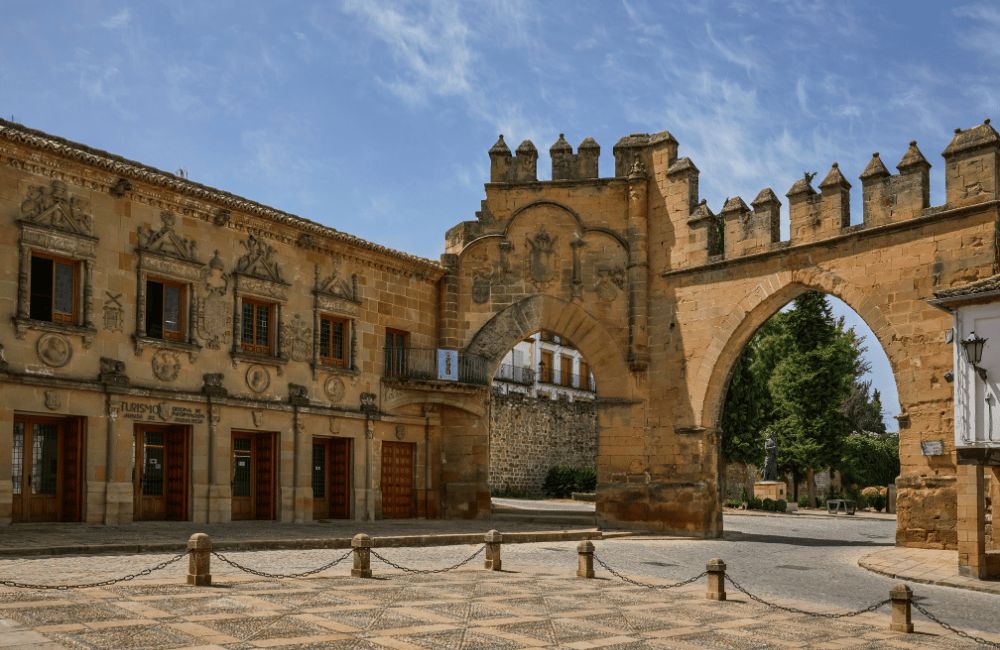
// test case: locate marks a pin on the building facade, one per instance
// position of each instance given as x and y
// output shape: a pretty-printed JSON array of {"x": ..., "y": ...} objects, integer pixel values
[
  {"x": 545, "y": 366},
  {"x": 174, "y": 352}
]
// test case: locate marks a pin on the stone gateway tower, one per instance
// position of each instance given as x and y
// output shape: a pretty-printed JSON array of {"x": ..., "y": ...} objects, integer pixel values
[
  {"x": 173, "y": 351},
  {"x": 662, "y": 294}
]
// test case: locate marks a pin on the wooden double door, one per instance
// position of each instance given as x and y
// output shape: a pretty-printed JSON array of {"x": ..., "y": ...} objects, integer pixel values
[
  {"x": 160, "y": 479},
  {"x": 398, "y": 497},
  {"x": 331, "y": 478},
  {"x": 254, "y": 475},
  {"x": 47, "y": 469}
]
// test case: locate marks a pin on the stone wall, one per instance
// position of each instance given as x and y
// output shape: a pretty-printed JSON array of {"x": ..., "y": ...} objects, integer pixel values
[{"x": 528, "y": 436}]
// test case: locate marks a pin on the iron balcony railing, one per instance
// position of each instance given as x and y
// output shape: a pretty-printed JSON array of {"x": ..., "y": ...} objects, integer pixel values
[
  {"x": 422, "y": 363},
  {"x": 515, "y": 374}
]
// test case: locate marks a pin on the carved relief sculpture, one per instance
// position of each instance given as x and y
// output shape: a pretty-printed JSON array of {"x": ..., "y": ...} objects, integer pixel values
[
  {"x": 258, "y": 378},
  {"x": 259, "y": 261},
  {"x": 542, "y": 258},
  {"x": 213, "y": 313},
  {"x": 113, "y": 372},
  {"x": 53, "y": 400},
  {"x": 114, "y": 312},
  {"x": 334, "y": 388},
  {"x": 54, "y": 350},
  {"x": 166, "y": 365},
  {"x": 166, "y": 241},
  {"x": 337, "y": 284},
  {"x": 609, "y": 282},
  {"x": 297, "y": 339},
  {"x": 53, "y": 207}
]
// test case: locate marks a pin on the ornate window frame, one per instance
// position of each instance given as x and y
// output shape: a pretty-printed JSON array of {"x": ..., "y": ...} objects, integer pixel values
[
  {"x": 165, "y": 255},
  {"x": 336, "y": 295},
  {"x": 55, "y": 223},
  {"x": 257, "y": 277}
]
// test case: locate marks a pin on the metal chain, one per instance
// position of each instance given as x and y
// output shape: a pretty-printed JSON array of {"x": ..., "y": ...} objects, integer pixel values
[
  {"x": 445, "y": 569},
  {"x": 796, "y": 610},
  {"x": 264, "y": 574},
  {"x": 965, "y": 635},
  {"x": 102, "y": 583},
  {"x": 647, "y": 585}
]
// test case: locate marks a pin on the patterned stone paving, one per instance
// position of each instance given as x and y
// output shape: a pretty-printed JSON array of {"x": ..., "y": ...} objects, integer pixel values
[{"x": 469, "y": 608}]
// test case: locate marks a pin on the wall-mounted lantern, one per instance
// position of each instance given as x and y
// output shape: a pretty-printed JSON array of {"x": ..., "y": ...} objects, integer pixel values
[{"x": 974, "y": 352}]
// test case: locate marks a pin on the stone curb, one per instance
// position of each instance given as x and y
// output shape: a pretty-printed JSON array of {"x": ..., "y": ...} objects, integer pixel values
[
  {"x": 873, "y": 516},
  {"x": 395, "y": 541},
  {"x": 987, "y": 588}
]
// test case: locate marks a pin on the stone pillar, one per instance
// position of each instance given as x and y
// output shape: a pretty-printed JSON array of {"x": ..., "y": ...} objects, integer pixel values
[
  {"x": 901, "y": 596},
  {"x": 362, "y": 545},
  {"x": 493, "y": 539},
  {"x": 585, "y": 559},
  {"x": 199, "y": 548},
  {"x": 716, "y": 579},
  {"x": 448, "y": 323},
  {"x": 971, "y": 522},
  {"x": 638, "y": 268}
]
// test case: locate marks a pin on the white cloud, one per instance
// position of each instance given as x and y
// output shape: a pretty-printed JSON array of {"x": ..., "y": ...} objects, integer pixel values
[
  {"x": 431, "y": 48},
  {"x": 120, "y": 20},
  {"x": 743, "y": 59}
]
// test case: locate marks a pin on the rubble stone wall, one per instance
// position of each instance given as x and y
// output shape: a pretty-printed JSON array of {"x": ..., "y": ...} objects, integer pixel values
[{"x": 528, "y": 436}]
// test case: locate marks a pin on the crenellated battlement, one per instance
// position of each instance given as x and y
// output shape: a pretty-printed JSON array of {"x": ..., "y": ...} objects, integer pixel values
[{"x": 691, "y": 234}]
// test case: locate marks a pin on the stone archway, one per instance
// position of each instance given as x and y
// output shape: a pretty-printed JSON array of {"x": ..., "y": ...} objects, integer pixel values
[
  {"x": 544, "y": 312},
  {"x": 759, "y": 305}
]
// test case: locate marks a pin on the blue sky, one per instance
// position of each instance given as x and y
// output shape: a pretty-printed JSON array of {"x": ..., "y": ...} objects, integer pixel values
[{"x": 375, "y": 117}]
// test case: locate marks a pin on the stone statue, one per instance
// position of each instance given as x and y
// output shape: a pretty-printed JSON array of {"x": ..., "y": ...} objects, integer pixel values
[{"x": 771, "y": 457}]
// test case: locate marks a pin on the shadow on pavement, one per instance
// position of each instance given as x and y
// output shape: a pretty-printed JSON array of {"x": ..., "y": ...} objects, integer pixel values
[{"x": 737, "y": 536}]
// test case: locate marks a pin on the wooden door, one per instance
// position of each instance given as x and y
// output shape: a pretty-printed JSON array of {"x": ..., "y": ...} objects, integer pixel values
[
  {"x": 397, "y": 479},
  {"x": 45, "y": 470},
  {"x": 331, "y": 478},
  {"x": 340, "y": 478},
  {"x": 253, "y": 475},
  {"x": 149, "y": 471},
  {"x": 264, "y": 477},
  {"x": 161, "y": 473}
]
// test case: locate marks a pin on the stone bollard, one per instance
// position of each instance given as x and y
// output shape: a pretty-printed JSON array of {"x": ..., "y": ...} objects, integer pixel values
[
  {"x": 585, "y": 559},
  {"x": 493, "y": 539},
  {"x": 901, "y": 596},
  {"x": 716, "y": 579},
  {"x": 199, "y": 560},
  {"x": 362, "y": 545}
]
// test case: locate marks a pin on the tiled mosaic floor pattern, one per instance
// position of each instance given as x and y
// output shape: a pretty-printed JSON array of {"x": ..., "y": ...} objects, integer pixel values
[{"x": 462, "y": 609}]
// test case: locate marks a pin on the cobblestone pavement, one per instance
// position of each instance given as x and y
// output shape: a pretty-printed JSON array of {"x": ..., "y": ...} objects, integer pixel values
[{"x": 535, "y": 602}]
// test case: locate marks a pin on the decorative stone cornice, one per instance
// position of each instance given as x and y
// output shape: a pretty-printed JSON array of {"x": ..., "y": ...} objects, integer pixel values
[{"x": 130, "y": 169}]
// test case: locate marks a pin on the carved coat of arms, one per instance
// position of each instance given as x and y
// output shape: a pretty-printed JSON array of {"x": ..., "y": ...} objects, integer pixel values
[
  {"x": 542, "y": 257},
  {"x": 215, "y": 312},
  {"x": 298, "y": 339}
]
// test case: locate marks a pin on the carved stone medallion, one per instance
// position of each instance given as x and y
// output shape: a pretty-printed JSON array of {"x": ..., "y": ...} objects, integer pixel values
[
  {"x": 334, "y": 388},
  {"x": 258, "y": 378},
  {"x": 166, "y": 365},
  {"x": 542, "y": 258},
  {"x": 297, "y": 338},
  {"x": 53, "y": 400},
  {"x": 54, "y": 350},
  {"x": 114, "y": 312}
]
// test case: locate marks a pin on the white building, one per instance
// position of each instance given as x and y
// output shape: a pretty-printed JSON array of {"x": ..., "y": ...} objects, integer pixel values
[
  {"x": 545, "y": 365},
  {"x": 976, "y": 338}
]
